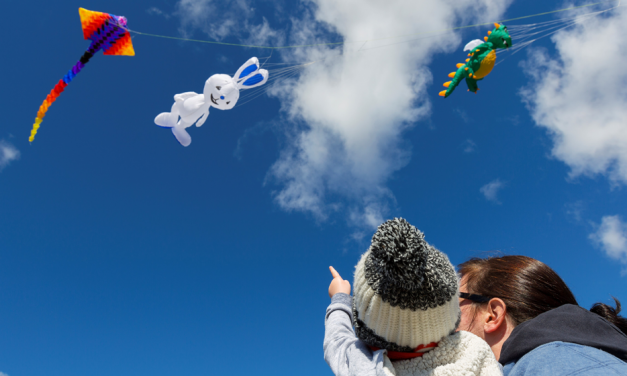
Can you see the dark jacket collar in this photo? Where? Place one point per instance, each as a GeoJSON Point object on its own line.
{"type": "Point", "coordinates": [568, 323]}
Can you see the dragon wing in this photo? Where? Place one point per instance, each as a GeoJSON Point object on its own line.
{"type": "Point", "coordinates": [473, 44]}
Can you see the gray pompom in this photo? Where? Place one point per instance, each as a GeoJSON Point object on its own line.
{"type": "Point", "coordinates": [406, 271]}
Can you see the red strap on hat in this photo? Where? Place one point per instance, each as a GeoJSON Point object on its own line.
{"type": "Point", "coordinates": [418, 352]}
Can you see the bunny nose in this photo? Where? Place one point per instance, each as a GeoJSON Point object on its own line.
{"type": "Point", "coordinates": [222, 97]}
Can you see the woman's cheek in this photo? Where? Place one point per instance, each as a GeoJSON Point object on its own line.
{"type": "Point", "coordinates": [467, 323]}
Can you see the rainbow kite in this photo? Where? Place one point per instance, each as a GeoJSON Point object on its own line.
{"type": "Point", "coordinates": [106, 32]}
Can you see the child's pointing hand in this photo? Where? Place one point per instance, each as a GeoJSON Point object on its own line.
{"type": "Point", "coordinates": [338, 284]}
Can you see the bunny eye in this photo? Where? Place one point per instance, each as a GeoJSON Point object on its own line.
{"type": "Point", "coordinates": [218, 87]}
{"type": "Point", "coordinates": [228, 102]}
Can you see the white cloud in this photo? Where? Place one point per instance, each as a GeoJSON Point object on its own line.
{"type": "Point", "coordinates": [214, 18]}
{"type": "Point", "coordinates": [347, 112]}
{"type": "Point", "coordinates": [462, 114]}
{"type": "Point", "coordinates": [343, 118]}
{"type": "Point", "coordinates": [223, 19]}
{"type": "Point", "coordinates": [8, 154]}
{"type": "Point", "coordinates": [580, 96]}
{"type": "Point", "coordinates": [491, 190]}
{"type": "Point", "coordinates": [611, 236]}
{"type": "Point", "coordinates": [469, 146]}
{"type": "Point", "coordinates": [3, 374]}
{"type": "Point", "coordinates": [574, 210]}
{"type": "Point", "coordinates": [220, 19]}
{"type": "Point", "coordinates": [156, 12]}
{"type": "Point", "coordinates": [260, 35]}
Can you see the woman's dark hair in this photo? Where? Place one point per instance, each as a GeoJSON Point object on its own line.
{"type": "Point", "coordinates": [611, 314]}
{"type": "Point", "coordinates": [527, 286]}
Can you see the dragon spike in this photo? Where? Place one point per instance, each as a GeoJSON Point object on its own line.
{"type": "Point", "coordinates": [442, 93]}
{"type": "Point", "coordinates": [446, 84]}
{"type": "Point", "coordinates": [451, 75]}
{"type": "Point", "coordinates": [470, 75]}
{"type": "Point", "coordinates": [489, 32]}
{"type": "Point", "coordinates": [467, 60]}
{"type": "Point", "coordinates": [497, 25]}
{"type": "Point", "coordinates": [466, 68]}
{"type": "Point", "coordinates": [485, 39]}
{"type": "Point", "coordinates": [460, 65]}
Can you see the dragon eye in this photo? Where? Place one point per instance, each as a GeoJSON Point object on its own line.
{"type": "Point", "coordinates": [218, 87]}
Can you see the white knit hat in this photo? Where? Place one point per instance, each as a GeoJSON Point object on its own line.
{"type": "Point", "coordinates": [406, 291]}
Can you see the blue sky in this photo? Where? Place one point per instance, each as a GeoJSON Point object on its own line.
{"type": "Point", "coordinates": [122, 252]}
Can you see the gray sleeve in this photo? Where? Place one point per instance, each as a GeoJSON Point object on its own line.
{"type": "Point", "coordinates": [346, 354]}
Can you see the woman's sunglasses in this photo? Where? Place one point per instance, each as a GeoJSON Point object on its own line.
{"type": "Point", "coordinates": [474, 297]}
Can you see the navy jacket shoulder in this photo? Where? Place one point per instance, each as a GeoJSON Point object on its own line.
{"type": "Point", "coordinates": [567, 340]}
{"type": "Point", "coordinates": [566, 359]}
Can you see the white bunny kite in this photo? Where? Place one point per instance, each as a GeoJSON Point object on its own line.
{"type": "Point", "coordinates": [221, 91]}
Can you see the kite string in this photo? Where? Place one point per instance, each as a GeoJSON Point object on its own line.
{"type": "Point", "coordinates": [266, 89]}
{"type": "Point", "coordinates": [512, 26]}
{"type": "Point", "coordinates": [368, 40]}
{"type": "Point", "coordinates": [524, 40]}
{"type": "Point", "coordinates": [568, 23]}
{"type": "Point", "coordinates": [268, 58]}
{"type": "Point", "coordinates": [274, 79]}
{"type": "Point", "coordinates": [524, 33]}
{"type": "Point", "coordinates": [281, 74]}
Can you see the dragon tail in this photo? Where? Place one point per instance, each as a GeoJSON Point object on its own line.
{"type": "Point", "coordinates": [457, 77]}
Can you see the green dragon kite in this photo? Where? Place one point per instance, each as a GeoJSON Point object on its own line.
{"type": "Point", "coordinates": [481, 60]}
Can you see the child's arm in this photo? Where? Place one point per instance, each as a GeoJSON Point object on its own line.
{"type": "Point", "coordinates": [343, 351]}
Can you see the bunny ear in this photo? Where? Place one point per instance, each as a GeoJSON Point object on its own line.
{"type": "Point", "coordinates": [248, 68]}
{"type": "Point", "coordinates": [255, 80]}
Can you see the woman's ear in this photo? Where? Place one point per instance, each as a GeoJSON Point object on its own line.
{"type": "Point", "coordinates": [495, 316]}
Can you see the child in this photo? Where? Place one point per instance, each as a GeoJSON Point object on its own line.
{"type": "Point", "coordinates": [405, 311]}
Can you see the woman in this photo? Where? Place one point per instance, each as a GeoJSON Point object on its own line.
{"type": "Point", "coordinates": [532, 321]}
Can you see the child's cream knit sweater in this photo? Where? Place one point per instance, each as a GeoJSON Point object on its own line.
{"type": "Point", "coordinates": [461, 353]}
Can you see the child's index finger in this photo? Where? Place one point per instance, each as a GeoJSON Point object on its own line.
{"type": "Point", "coordinates": [334, 273]}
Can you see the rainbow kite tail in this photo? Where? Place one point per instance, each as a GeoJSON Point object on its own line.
{"type": "Point", "coordinates": [107, 32]}
{"type": "Point", "coordinates": [58, 89]}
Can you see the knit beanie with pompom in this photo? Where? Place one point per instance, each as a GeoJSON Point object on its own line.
{"type": "Point", "coordinates": [405, 291]}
